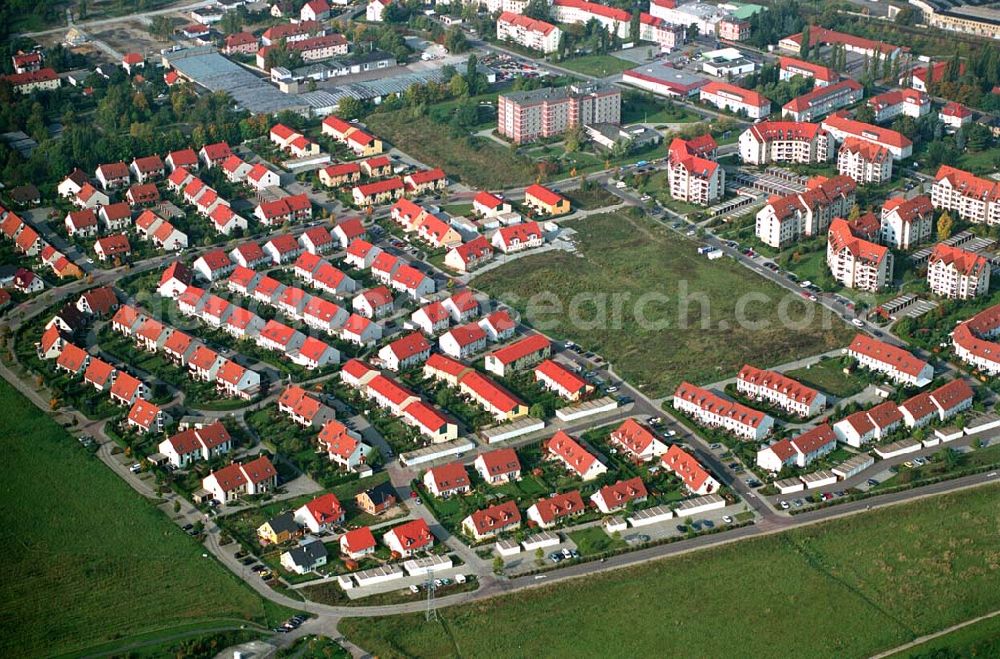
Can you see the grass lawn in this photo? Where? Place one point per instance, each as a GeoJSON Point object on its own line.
{"type": "Point", "coordinates": [478, 162]}
{"type": "Point", "coordinates": [828, 376]}
{"type": "Point", "coordinates": [981, 639]}
{"type": "Point", "coordinates": [643, 298]}
{"type": "Point", "coordinates": [87, 560]}
{"type": "Point", "coordinates": [597, 65]}
{"type": "Point", "coordinates": [593, 540]}
{"type": "Point", "coordinates": [895, 574]}
{"type": "Point", "coordinates": [594, 197]}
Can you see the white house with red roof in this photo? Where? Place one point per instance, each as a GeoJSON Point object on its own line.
{"type": "Point", "coordinates": [405, 352]}
{"type": "Point", "coordinates": [214, 154]}
{"type": "Point", "coordinates": [429, 422]}
{"type": "Point", "coordinates": [785, 141]}
{"type": "Point", "coordinates": [280, 338]}
{"type": "Point", "coordinates": [282, 249]}
{"type": "Point", "coordinates": [799, 451]}
{"type": "Point", "coordinates": [110, 247]}
{"type": "Point", "coordinates": [618, 496]}
{"type": "Point", "coordinates": [127, 389]}
{"type": "Point", "coordinates": [178, 348]}
{"type": "Point", "coordinates": [374, 302]}
{"type": "Point", "coordinates": [204, 363]}
{"type": "Point", "coordinates": [237, 381]}
{"type": "Point", "coordinates": [361, 254]}
{"type": "Point", "coordinates": [260, 178]}
{"type": "Point", "coordinates": [90, 197]}
{"type": "Point", "coordinates": [384, 266]}
{"type": "Point", "coordinates": [518, 237]}
{"type": "Point", "coordinates": [243, 323]}
{"type": "Point", "coordinates": [349, 230]}
{"type": "Point", "coordinates": [72, 359]}
{"type": "Point", "coordinates": [357, 543]}
{"type": "Point", "coordinates": [321, 514]}
{"type": "Point", "coordinates": [343, 446]}
{"type": "Point", "coordinates": [214, 265]}
{"type": "Point", "coordinates": [196, 443]}
{"type": "Point", "coordinates": [360, 330]}
{"type": "Point", "coordinates": [146, 417]}
{"type": "Point", "coordinates": [294, 208]}
{"type": "Point", "coordinates": [127, 319]}
{"type": "Point", "coordinates": [896, 363]}
{"type": "Point", "coordinates": [113, 175]}
{"type": "Point", "coordinates": [488, 204]}
{"type": "Point", "coordinates": [906, 223]}
{"type": "Point", "coordinates": [99, 374]}
{"type": "Point", "coordinates": [431, 318]}
{"type": "Point", "coordinates": [528, 32]}
{"type": "Point", "coordinates": [324, 315]}
{"type": "Point", "coordinates": [693, 175]}
{"type": "Point", "coordinates": [556, 509]}
{"type": "Point", "coordinates": [637, 441]}
{"type": "Point", "coordinates": [336, 176]}
{"type": "Point", "coordinates": [243, 280]}
{"type": "Point", "coordinates": [70, 186]}
{"type": "Point", "coordinates": [82, 223]}
{"type": "Point", "coordinates": [499, 466]}
{"type": "Point", "coordinates": [316, 240]}
{"type": "Point", "coordinates": [470, 255]}
{"type": "Point", "coordinates": [447, 480]}
{"type": "Point", "coordinates": [413, 282]}
{"type": "Point", "coordinates": [115, 217]}
{"type": "Point", "coordinates": [713, 411]}
{"type": "Point", "coordinates": [779, 390]}
{"type": "Point", "coordinates": [907, 102]}
{"type": "Point", "coordinates": [492, 521]}
{"type": "Point", "coordinates": [303, 408]}
{"type": "Point", "coordinates": [307, 264]}
{"type": "Point", "coordinates": [574, 456]}
{"type": "Point", "coordinates": [425, 181]}
{"type": "Point", "coordinates": [695, 477]}
{"type": "Point", "coordinates": [955, 115]}
{"type": "Point", "coordinates": [313, 354]}
{"type": "Point", "coordinates": [409, 538]}
{"type": "Point", "coordinates": [864, 162]}
{"type": "Point", "coordinates": [182, 158]}
{"type": "Point", "coordinates": [726, 96]}
{"type": "Point", "coordinates": [500, 403]}
{"type": "Point", "coordinates": [147, 168]}
{"type": "Point", "coordinates": [557, 378]}
{"type": "Point", "coordinates": [232, 481]}
{"type": "Point", "coordinates": [956, 273]}
{"type": "Point", "coordinates": [463, 341]}
{"type": "Point", "coordinates": [462, 305]}
{"type": "Point", "coordinates": [841, 127]}
{"type": "Point", "coordinates": [499, 326]}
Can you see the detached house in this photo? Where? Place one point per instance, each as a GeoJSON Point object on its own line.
{"type": "Point", "coordinates": [447, 480]}
{"type": "Point", "coordinates": [413, 282]}
{"type": "Point", "coordinates": [321, 514]}
{"type": "Point", "coordinates": [229, 483]}
{"type": "Point", "coordinates": [695, 477]}
{"type": "Point", "coordinates": [574, 457]}
{"type": "Point", "coordinates": [492, 521]}
{"type": "Point", "coordinates": [612, 498]}
{"type": "Point", "coordinates": [147, 168]}
{"type": "Point", "coordinates": [197, 443]}
{"type": "Point", "coordinates": [112, 175]}
{"type": "Point", "coordinates": [469, 256]}
{"type": "Point", "coordinates": [499, 466]}
{"type": "Point", "coordinates": [556, 509]}
{"type": "Point", "coordinates": [146, 417]}
{"type": "Point", "coordinates": [374, 302]}
{"type": "Point", "coordinates": [405, 352]}
{"type": "Point", "coordinates": [409, 538]}
{"type": "Point", "coordinates": [518, 237]}
{"type": "Point", "coordinates": [343, 446]}
{"type": "Point", "coordinates": [637, 441]}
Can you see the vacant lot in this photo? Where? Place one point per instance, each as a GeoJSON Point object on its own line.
{"type": "Point", "coordinates": [597, 65]}
{"type": "Point", "coordinates": [644, 298]}
{"type": "Point", "coordinates": [477, 161]}
{"type": "Point", "coordinates": [86, 560]}
{"type": "Point", "coordinates": [893, 574]}
{"type": "Point", "coordinates": [828, 376]}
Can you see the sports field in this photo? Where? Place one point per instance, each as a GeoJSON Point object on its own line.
{"type": "Point", "coordinates": [87, 561]}
{"type": "Point", "coordinates": [845, 588]}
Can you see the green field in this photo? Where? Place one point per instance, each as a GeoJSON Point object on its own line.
{"type": "Point", "coordinates": [600, 66]}
{"type": "Point", "coordinates": [857, 585]}
{"type": "Point", "coordinates": [828, 376]}
{"type": "Point", "coordinates": [88, 561]}
{"type": "Point", "coordinates": [981, 639]}
{"type": "Point", "coordinates": [660, 313]}
{"type": "Point", "coordinates": [478, 161]}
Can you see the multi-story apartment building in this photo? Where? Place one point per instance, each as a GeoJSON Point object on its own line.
{"type": "Point", "coordinates": [865, 162]}
{"type": "Point", "coordinates": [694, 176]}
{"type": "Point", "coordinates": [972, 341]}
{"type": "Point", "coordinates": [667, 34]}
{"type": "Point", "coordinates": [527, 116]}
{"type": "Point", "coordinates": [906, 222]}
{"type": "Point", "coordinates": [907, 102]}
{"type": "Point", "coordinates": [779, 390]}
{"type": "Point", "coordinates": [973, 198]}
{"type": "Point", "coordinates": [958, 274]}
{"type": "Point", "coordinates": [785, 141]}
{"type": "Point", "coordinates": [842, 127]}
{"type": "Point", "coordinates": [854, 260]}
{"type": "Point", "coordinates": [823, 100]}
{"type": "Point", "coordinates": [528, 32]}
{"type": "Point", "coordinates": [786, 219]}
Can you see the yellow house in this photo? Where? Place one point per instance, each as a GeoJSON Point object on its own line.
{"type": "Point", "coordinates": [545, 201]}
{"type": "Point", "coordinates": [364, 144]}
{"type": "Point", "coordinates": [335, 176]}
{"type": "Point", "coordinates": [279, 529]}
{"type": "Point", "coordinates": [493, 398]}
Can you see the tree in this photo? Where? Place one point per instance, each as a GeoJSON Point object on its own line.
{"type": "Point", "coordinates": [498, 565]}
{"type": "Point", "coordinates": [454, 40]}
{"type": "Point", "coordinates": [855, 213]}
{"type": "Point", "coordinates": [537, 9]}
{"type": "Point", "coordinates": [177, 505]}
{"type": "Point", "coordinates": [804, 48]}
{"type": "Point", "coordinates": [536, 411]}
{"type": "Point", "coordinates": [572, 139]}
{"type": "Point", "coordinates": [350, 108]}
{"type": "Point", "coordinates": [944, 226]}
{"type": "Point", "coordinates": [539, 557]}
{"type": "Point", "coordinates": [161, 26]}
{"type": "Point", "coordinates": [633, 27]}
{"type": "Point", "coordinates": [458, 86]}
{"type": "Point", "coordinates": [472, 75]}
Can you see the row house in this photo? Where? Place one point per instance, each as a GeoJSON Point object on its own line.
{"type": "Point", "coordinates": [899, 102]}
{"type": "Point", "coordinates": [426, 181]}
{"type": "Point", "coordinates": [869, 425]}
{"type": "Point", "coordinates": [431, 318]}
{"type": "Point", "coordinates": [636, 441]}
{"type": "Point", "coordinates": [897, 364]}
{"type": "Point", "coordinates": [236, 170]}
{"type": "Point", "coordinates": [250, 255]}
{"type": "Point", "coordinates": [343, 446]}
{"type": "Point", "coordinates": [316, 240]}
{"type": "Point", "coordinates": [856, 262]}
{"type": "Point", "coordinates": [841, 127]}
{"type": "Point", "coordinates": [780, 391]}
{"type": "Point", "coordinates": [360, 330]}
{"type": "Point", "coordinates": [957, 274]}
{"type": "Point", "coordinates": [377, 167]}
{"type": "Point", "coordinates": [941, 404]}
{"type": "Point", "coordinates": [785, 220]}
{"type": "Point", "coordinates": [414, 283]}
{"type": "Point", "coordinates": [823, 100]}
{"type": "Point", "coordinates": [712, 411]}
{"type": "Point", "coordinates": [519, 355]}
{"type": "Point", "coordinates": [545, 201]}
{"type": "Point", "coordinates": [303, 408]}
{"type": "Point", "coordinates": [556, 378]}
{"type": "Point", "coordinates": [697, 480]}
{"type": "Point", "coordinates": [800, 451]}
{"type": "Point", "coordinates": [337, 176]}
{"type": "Point", "coordinates": [192, 444]}
{"type": "Point", "coordinates": [377, 192]}
{"type": "Point", "coordinates": [294, 208]}
{"type": "Point", "coordinates": [235, 480]}
{"type": "Point", "coordinates": [497, 401]}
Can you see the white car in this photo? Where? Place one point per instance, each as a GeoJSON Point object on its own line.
{"type": "Point", "coordinates": [857, 322]}
{"type": "Point", "coordinates": [136, 468]}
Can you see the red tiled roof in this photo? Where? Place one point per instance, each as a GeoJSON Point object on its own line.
{"type": "Point", "coordinates": [448, 477]}
{"type": "Point", "coordinates": [522, 348]}
{"type": "Point", "coordinates": [501, 462]}
{"type": "Point", "coordinates": [686, 467]}
{"type": "Point", "coordinates": [746, 96]}
{"type": "Point", "coordinates": [543, 194]}
{"type": "Point", "coordinates": [572, 453]}
{"type": "Point", "coordinates": [526, 23]}
{"type": "Point", "coordinates": [561, 376]}
{"type": "Point", "coordinates": [496, 518]}
{"type": "Point", "coordinates": [559, 505]}
{"type": "Point", "coordinates": [895, 357]}
{"type": "Point", "coordinates": [968, 264]}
